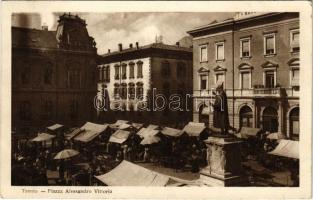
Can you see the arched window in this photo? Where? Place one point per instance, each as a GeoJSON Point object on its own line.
{"type": "Point", "coordinates": [131, 70]}
{"type": "Point", "coordinates": [47, 75]}
{"type": "Point", "coordinates": [117, 72]}
{"type": "Point", "coordinates": [131, 90]}
{"type": "Point", "coordinates": [270, 120]}
{"type": "Point", "coordinates": [124, 68]}
{"type": "Point", "coordinates": [74, 109]}
{"type": "Point", "coordinates": [204, 112]}
{"type": "Point", "coordinates": [139, 90]}
{"type": "Point", "coordinates": [139, 69]}
{"type": "Point", "coordinates": [246, 116]}
{"type": "Point", "coordinates": [25, 110]}
{"type": "Point", "coordinates": [165, 69]}
{"type": "Point", "coordinates": [294, 123]}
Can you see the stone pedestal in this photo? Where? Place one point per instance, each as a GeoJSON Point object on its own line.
{"type": "Point", "coordinates": [224, 163]}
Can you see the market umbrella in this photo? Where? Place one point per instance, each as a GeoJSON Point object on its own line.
{"type": "Point", "coordinates": [275, 136]}
{"type": "Point", "coordinates": [66, 153]}
{"type": "Point", "coordinates": [43, 137]}
{"type": "Point", "coordinates": [150, 139]}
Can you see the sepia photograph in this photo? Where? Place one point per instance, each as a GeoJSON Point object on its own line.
{"type": "Point", "coordinates": [162, 99]}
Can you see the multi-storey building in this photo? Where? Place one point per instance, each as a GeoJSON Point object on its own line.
{"type": "Point", "coordinates": [53, 76]}
{"type": "Point", "coordinates": [256, 56]}
{"type": "Point", "coordinates": [134, 75]}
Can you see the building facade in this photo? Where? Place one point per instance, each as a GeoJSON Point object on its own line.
{"type": "Point", "coordinates": [53, 76]}
{"type": "Point", "coordinates": [136, 76]}
{"type": "Point", "coordinates": [256, 57]}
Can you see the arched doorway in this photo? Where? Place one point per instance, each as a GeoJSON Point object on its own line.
{"type": "Point", "coordinates": [294, 123]}
{"type": "Point", "coordinates": [270, 120]}
{"type": "Point", "coordinates": [246, 116]}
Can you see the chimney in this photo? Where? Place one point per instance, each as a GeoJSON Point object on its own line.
{"type": "Point", "coordinates": [44, 27]}
{"type": "Point", "coordinates": [177, 44]}
{"type": "Point", "coordinates": [109, 50]}
{"type": "Point", "coordinates": [137, 45]}
{"type": "Point", "coordinates": [120, 47]}
{"type": "Point", "coordinates": [131, 45]}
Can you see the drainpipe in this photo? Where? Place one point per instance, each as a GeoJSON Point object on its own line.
{"type": "Point", "coordinates": [233, 63]}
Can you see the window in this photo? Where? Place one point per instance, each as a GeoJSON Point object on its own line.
{"type": "Point", "coordinates": [269, 44]}
{"type": "Point", "coordinates": [25, 110]}
{"type": "Point", "coordinates": [124, 67]}
{"type": "Point", "coordinates": [117, 72]}
{"type": "Point", "coordinates": [74, 78]}
{"type": "Point", "coordinates": [139, 69]}
{"type": "Point", "coordinates": [165, 69]}
{"type": "Point", "coordinates": [105, 71]}
{"type": "Point", "coordinates": [47, 76]}
{"type": "Point", "coordinates": [74, 109]}
{"type": "Point", "coordinates": [139, 91]}
{"type": "Point", "coordinates": [131, 70]}
{"type": "Point", "coordinates": [295, 77]}
{"type": "Point", "coordinates": [203, 53]}
{"type": "Point", "coordinates": [124, 91]}
{"type": "Point", "coordinates": [269, 79]}
{"type": "Point", "coordinates": [181, 70]}
{"type": "Point", "coordinates": [203, 82]}
{"type": "Point", "coordinates": [294, 40]}
{"type": "Point", "coordinates": [245, 48]}
{"type": "Point", "coordinates": [116, 91]}
{"type": "Point", "coordinates": [245, 80]}
{"type": "Point", "coordinates": [47, 110]}
{"type": "Point", "coordinates": [131, 90]}
{"type": "Point", "coordinates": [219, 51]}
{"type": "Point", "coordinates": [220, 78]}
{"type": "Point", "coordinates": [245, 117]}
{"type": "Point", "coordinates": [25, 75]}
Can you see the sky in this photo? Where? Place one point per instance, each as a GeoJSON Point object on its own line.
{"type": "Point", "coordinates": [110, 29]}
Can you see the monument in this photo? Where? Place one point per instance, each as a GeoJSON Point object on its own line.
{"type": "Point", "coordinates": [223, 150]}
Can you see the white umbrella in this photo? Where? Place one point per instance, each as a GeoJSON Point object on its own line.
{"type": "Point", "coordinates": [66, 153]}
{"type": "Point", "coordinates": [43, 137]}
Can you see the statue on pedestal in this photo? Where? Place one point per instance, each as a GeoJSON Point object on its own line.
{"type": "Point", "coordinates": [220, 114]}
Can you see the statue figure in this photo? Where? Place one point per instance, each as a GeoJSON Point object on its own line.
{"type": "Point", "coordinates": [220, 110]}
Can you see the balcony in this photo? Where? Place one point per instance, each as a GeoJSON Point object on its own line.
{"type": "Point", "coordinates": [267, 92]}
{"type": "Point", "coordinates": [255, 92]}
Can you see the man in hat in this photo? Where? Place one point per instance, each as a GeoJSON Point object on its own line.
{"type": "Point", "coordinates": [220, 114]}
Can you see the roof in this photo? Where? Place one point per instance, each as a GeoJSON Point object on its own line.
{"type": "Point", "coordinates": [194, 128]}
{"type": "Point", "coordinates": [26, 37]}
{"type": "Point", "coordinates": [119, 136]}
{"type": "Point", "coordinates": [129, 174]}
{"type": "Point", "coordinates": [87, 135]}
{"type": "Point", "coordinates": [95, 127]}
{"type": "Point", "coordinates": [172, 132]}
{"type": "Point", "coordinates": [147, 51]}
{"type": "Point", "coordinates": [43, 137]}
{"type": "Point", "coordinates": [287, 148]}
{"type": "Point", "coordinates": [55, 127]}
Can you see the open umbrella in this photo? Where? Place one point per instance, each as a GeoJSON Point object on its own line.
{"type": "Point", "coordinates": [43, 137]}
{"type": "Point", "coordinates": [66, 153]}
{"type": "Point", "coordinates": [275, 136]}
{"type": "Point", "coordinates": [150, 139]}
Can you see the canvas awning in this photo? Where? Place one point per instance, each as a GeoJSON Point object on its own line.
{"type": "Point", "coordinates": [152, 126]}
{"type": "Point", "coordinates": [129, 174]}
{"type": "Point", "coordinates": [275, 136]}
{"type": "Point", "coordinates": [43, 137]}
{"type": "Point", "coordinates": [87, 135]}
{"type": "Point", "coordinates": [55, 127]}
{"type": "Point", "coordinates": [287, 148]}
{"type": "Point", "coordinates": [95, 127]}
{"type": "Point", "coordinates": [119, 136]}
{"type": "Point", "coordinates": [137, 125]}
{"type": "Point", "coordinates": [247, 132]}
{"type": "Point", "coordinates": [72, 134]}
{"type": "Point", "coordinates": [194, 128]}
{"type": "Point", "coordinates": [118, 123]}
{"type": "Point", "coordinates": [125, 126]}
{"type": "Point", "coordinates": [172, 132]}
{"type": "Point", "coordinates": [144, 132]}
